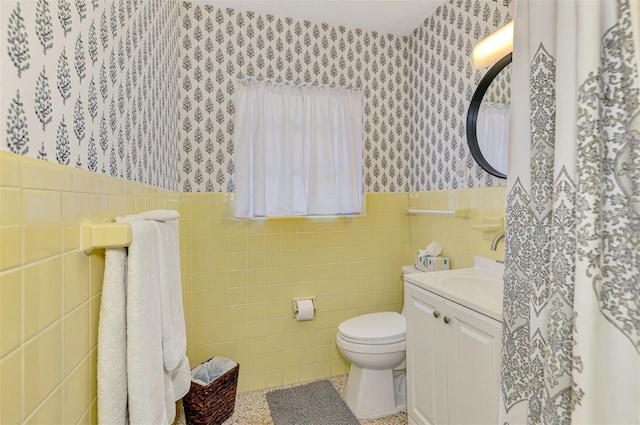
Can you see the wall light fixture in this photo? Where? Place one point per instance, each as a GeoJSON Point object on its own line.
{"type": "Point", "coordinates": [494, 47]}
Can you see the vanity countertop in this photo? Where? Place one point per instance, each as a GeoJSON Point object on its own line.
{"type": "Point", "coordinates": [478, 288]}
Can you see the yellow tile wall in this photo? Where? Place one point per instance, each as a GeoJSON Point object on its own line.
{"type": "Point", "coordinates": [240, 277]}
{"type": "Point", "coordinates": [49, 290]}
{"type": "Point", "coordinates": [460, 242]}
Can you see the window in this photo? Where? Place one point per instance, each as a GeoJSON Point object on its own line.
{"type": "Point", "coordinates": [298, 150]}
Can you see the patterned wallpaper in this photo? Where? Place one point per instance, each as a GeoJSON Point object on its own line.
{"type": "Point", "coordinates": [417, 88]}
{"type": "Point", "coordinates": [444, 80]}
{"type": "Point", "coordinates": [500, 88]}
{"type": "Point", "coordinates": [91, 84]}
{"type": "Point", "coordinates": [218, 44]}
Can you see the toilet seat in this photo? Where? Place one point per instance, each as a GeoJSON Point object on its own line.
{"type": "Point", "coordinates": [370, 349]}
{"type": "Point", "coordinates": [374, 329]}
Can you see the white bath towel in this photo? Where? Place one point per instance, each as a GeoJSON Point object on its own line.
{"type": "Point", "coordinates": [145, 369]}
{"type": "Point", "coordinates": [112, 341]}
{"type": "Point", "coordinates": [156, 343]}
{"type": "Point", "coordinates": [174, 340]}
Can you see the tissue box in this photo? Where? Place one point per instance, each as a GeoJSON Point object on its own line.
{"type": "Point", "coordinates": [437, 263]}
{"type": "Point", "coordinates": [430, 264]}
{"type": "Point", "coordinates": [420, 262]}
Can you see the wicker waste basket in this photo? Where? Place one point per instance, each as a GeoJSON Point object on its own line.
{"type": "Point", "coordinates": [212, 397]}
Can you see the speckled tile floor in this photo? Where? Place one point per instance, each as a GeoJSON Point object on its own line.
{"type": "Point", "coordinates": [252, 408]}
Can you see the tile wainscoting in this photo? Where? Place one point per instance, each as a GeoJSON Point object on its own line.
{"type": "Point", "coordinates": [239, 277]}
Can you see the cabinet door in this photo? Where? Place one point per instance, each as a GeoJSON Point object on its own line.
{"type": "Point", "coordinates": [426, 375]}
{"type": "Point", "coordinates": [473, 366]}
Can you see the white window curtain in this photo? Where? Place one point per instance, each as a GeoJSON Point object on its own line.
{"type": "Point", "coordinates": [298, 150]}
{"type": "Point", "coordinates": [492, 130]}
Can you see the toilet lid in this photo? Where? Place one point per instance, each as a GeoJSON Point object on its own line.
{"type": "Point", "coordinates": [387, 327]}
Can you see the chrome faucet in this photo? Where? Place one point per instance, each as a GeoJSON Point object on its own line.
{"type": "Point", "coordinates": [494, 242]}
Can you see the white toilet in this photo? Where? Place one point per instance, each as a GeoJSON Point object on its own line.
{"type": "Point", "coordinates": [375, 346]}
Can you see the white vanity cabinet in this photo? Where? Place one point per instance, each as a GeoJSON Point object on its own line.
{"type": "Point", "coordinates": [453, 361]}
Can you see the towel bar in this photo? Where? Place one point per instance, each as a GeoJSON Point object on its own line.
{"type": "Point", "coordinates": [103, 235]}
{"type": "Point", "coordinates": [462, 213]}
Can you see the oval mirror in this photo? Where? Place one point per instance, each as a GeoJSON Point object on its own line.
{"type": "Point", "coordinates": [488, 119]}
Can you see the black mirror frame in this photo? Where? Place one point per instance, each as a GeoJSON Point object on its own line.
{"type": "Point", "coordinates": [472, 116]}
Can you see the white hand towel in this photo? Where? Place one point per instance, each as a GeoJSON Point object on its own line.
{"type": "Point", "coordinates": [174, 338]}
{"type": "Point", "coordinates": [176, 382]}
{"type": "Point", "coordinates": [112, 341]}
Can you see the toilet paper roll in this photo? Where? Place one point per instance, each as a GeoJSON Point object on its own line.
{"type": "Point", "coordinates": [304, 310]}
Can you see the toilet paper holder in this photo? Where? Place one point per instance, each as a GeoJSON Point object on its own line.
{"type": "Point", "coordinates": [295, 306]}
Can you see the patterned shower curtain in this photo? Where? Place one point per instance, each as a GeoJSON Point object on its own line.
{"type": "Point", "coordinates": [571, 343]}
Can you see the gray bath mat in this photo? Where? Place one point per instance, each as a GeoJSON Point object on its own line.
{"type": "Point", "coordinates": [316, 403]}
